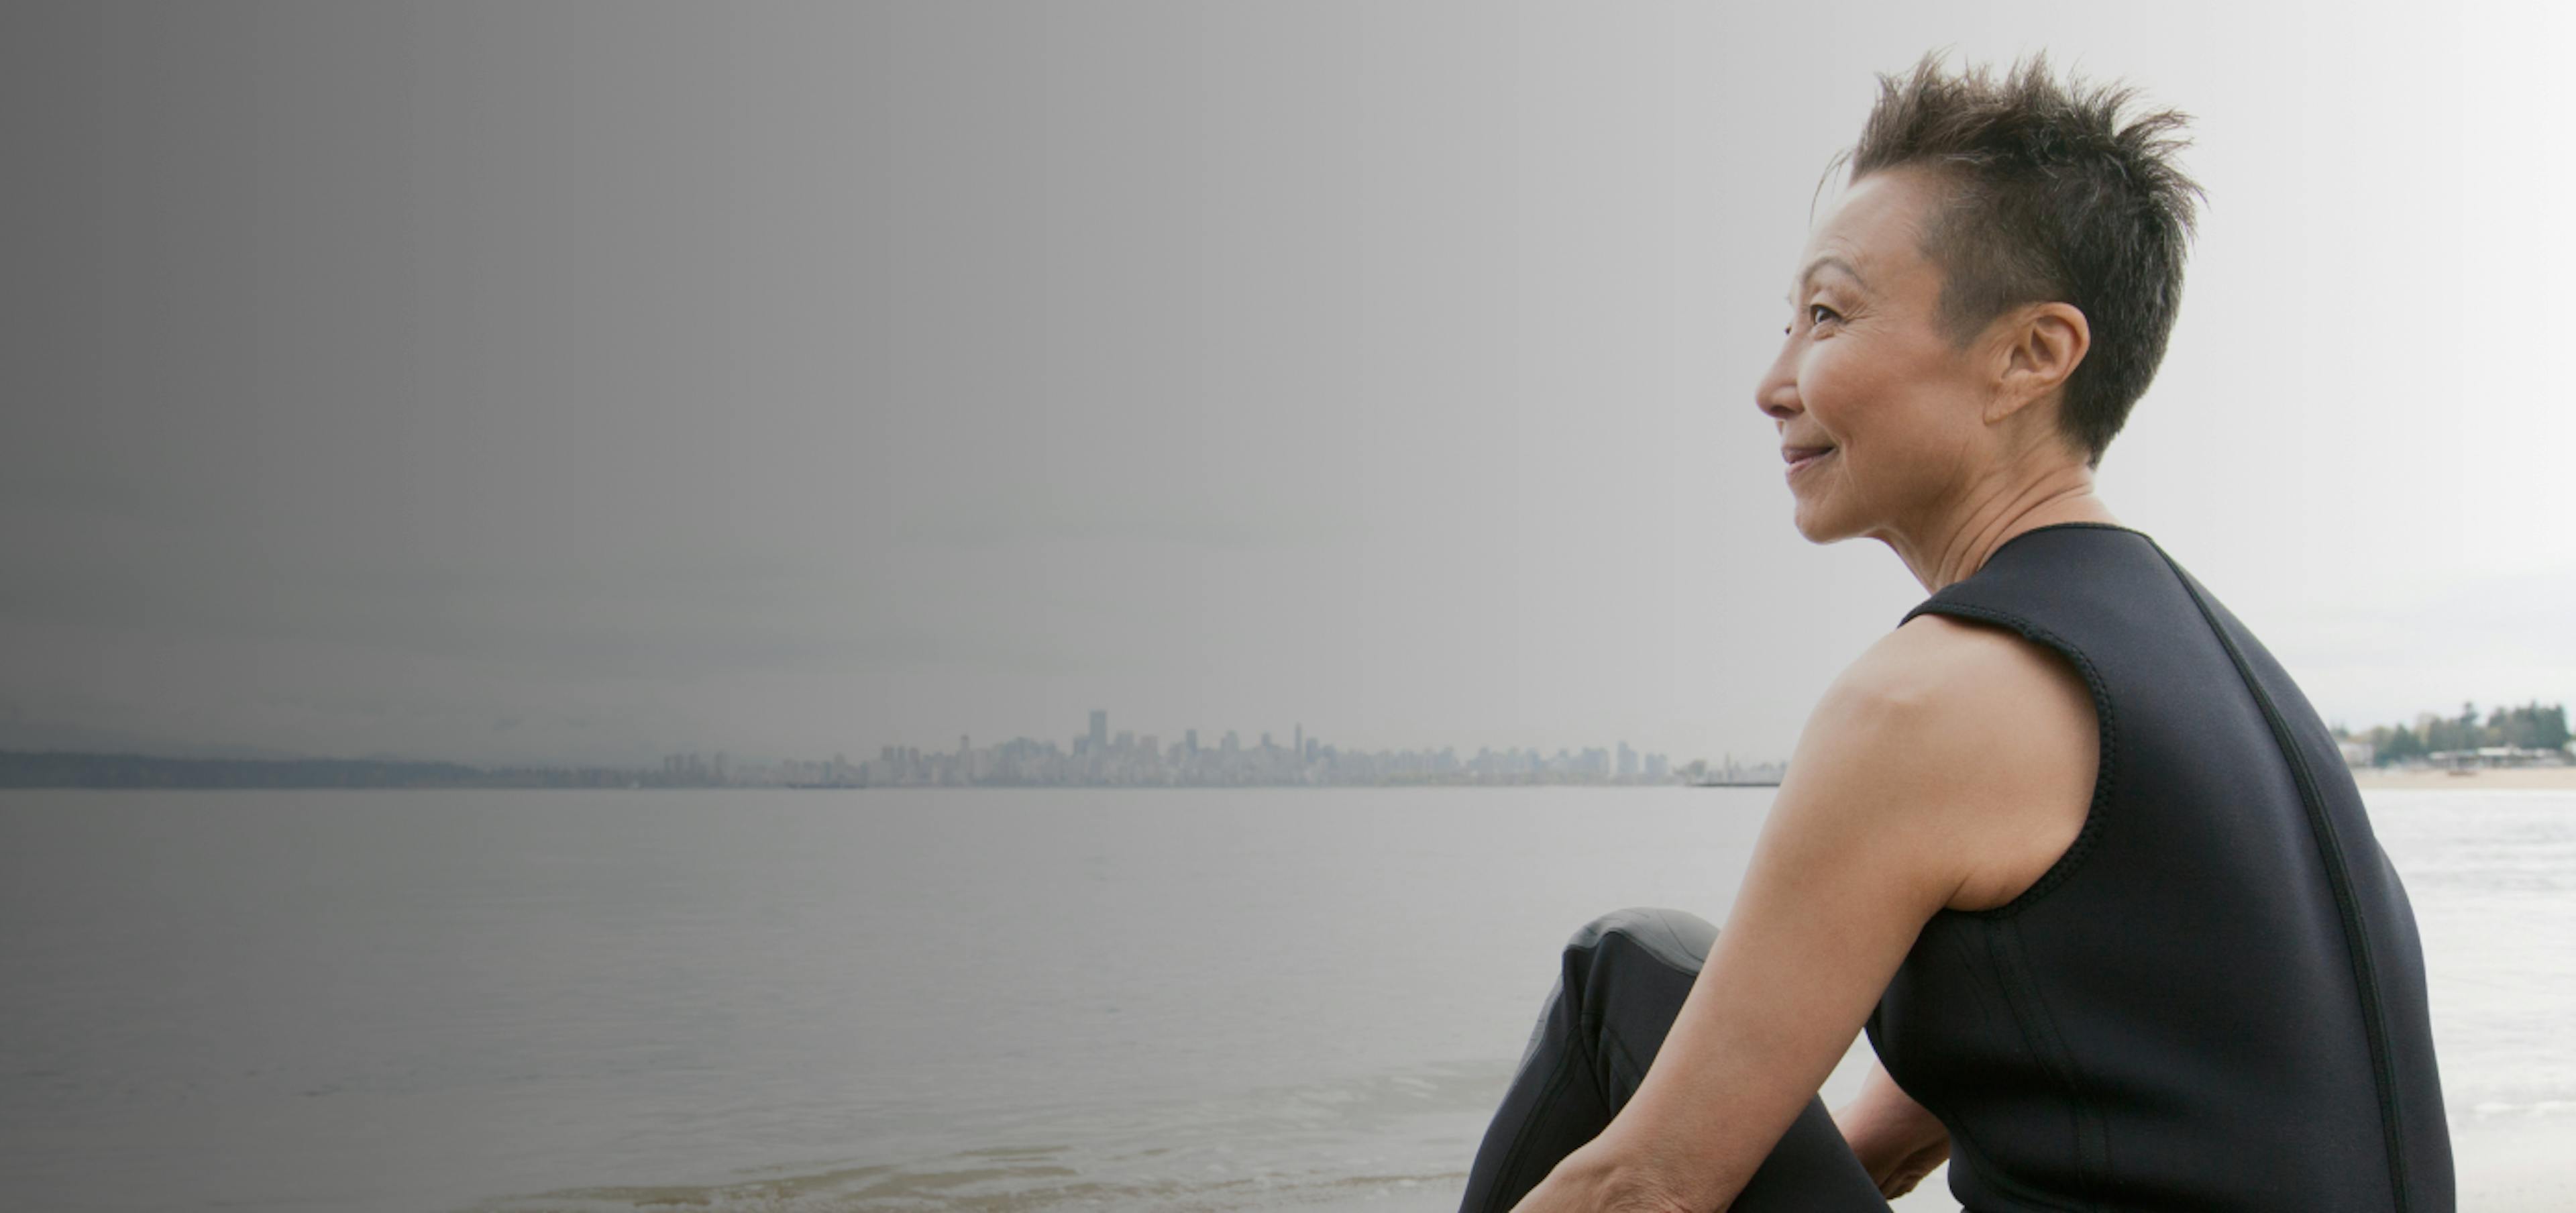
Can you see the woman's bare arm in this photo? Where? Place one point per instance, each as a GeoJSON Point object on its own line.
{"type": "Point", "coordinates": [1903, 785]}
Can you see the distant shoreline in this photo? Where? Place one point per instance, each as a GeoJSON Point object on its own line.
{"type": "Point", "coordinates": [2551, 778]}
{"type": "Point", "coordinates": [61, 770]}
{"type": "Point", "coordinates": [67, 770]}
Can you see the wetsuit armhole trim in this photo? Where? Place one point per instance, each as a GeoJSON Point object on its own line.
{"type": "Point", "coordinates": [2105, 773]}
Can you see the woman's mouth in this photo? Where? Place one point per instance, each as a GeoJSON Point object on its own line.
{"type": "Point", "coordinates": [1802, 458]}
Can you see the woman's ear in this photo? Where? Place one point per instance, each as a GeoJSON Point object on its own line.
{"type": "Point", "coordinates": [2043, 344]}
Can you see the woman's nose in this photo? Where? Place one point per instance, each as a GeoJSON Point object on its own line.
{"type": "Point", "coordinates": [1777, 394]}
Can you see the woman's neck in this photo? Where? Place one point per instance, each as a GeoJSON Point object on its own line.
{"type": "Point", "coordinates": [1945, 551]}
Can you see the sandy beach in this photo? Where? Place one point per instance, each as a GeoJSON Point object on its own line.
{"type": "Point", "coordinates": [2553, 778]}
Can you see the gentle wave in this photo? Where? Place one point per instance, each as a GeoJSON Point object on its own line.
{"type": "Point", "coordinates": [1389, 1141]}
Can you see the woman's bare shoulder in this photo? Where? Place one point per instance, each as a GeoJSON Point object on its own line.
{"type": "Point", "coordinates": [1990, 735]}
{"type": "Point", "coordinates": [1967, 678]}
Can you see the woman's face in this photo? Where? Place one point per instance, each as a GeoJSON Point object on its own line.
{"type": "Point", "coordinates": [1865, 374]}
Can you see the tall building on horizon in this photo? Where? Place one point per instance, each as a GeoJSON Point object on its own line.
{"type": "Point", "coordinates": [1099, 729]}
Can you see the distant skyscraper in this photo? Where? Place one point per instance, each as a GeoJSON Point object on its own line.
{"type": "Point", "coordinates": [1301, 737]}
{"type": "Point", "coordinates": [1099, 728]}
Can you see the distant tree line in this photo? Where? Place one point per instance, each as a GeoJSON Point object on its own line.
{"type": "Point", "coordinates": [2529, 726]}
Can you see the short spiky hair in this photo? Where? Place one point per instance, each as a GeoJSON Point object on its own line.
{"type": "Point", "coordinates": [2051, 198]}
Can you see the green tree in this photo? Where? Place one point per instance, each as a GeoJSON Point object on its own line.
{"type": "Point", "coordinates": [2549, 726]}
{"type": "Point", "coordinates": [2397, 744]}
{"type": "Point", "coordinates": [2530, 725]}
{"type": "Point", "coordinates": [2533, 725]}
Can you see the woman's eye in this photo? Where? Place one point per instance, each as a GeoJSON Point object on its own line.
{"type": "Point", "coordinates": [1818, 313]}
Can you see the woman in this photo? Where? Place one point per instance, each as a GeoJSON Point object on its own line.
{"type": "Point", "coordinates": [2067, 842]}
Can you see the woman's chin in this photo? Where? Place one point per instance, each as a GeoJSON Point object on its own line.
{"type": "Point", "coordinates": [1810, 523]}
{"type": "Point", "coordinates": [1818, 527]}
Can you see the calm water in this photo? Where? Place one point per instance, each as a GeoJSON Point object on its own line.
{"type": "Point", "coordinates": [1017, 1000]}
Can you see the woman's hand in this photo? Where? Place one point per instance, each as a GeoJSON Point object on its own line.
{"type": "Point", "coordinates": [1897, 1140]}
{"type": "Point", "coordinates": [1593, 1180]}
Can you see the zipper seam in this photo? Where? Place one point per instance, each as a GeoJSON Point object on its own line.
{"type": "Point", "coordinates": [2338, 879]}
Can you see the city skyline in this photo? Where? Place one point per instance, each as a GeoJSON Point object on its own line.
{"type": "Point", "coordinates": [890, 372]}
{"type": "Point", "coordinates": [1095, 757]}
{"type": "Point", "coordinates": [1129, 758]}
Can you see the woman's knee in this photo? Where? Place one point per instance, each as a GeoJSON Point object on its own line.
{"type": "Point", "coordinates": [1677, 937]}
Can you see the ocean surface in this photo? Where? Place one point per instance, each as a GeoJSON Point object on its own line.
{"type": "Point", "coordinates": [932, 1000]}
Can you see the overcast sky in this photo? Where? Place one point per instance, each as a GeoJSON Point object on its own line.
{"type": "Point", "coordinates": [599, 381]}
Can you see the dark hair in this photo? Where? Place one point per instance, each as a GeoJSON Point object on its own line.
{"type": "Point", "coordinates": [2050, 198]}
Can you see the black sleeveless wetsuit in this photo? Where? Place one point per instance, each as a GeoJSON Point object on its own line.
{"type": "Point", "coordinates": [2215, 999]}
{"type": "Point", "coordinates": [2213, 1002]}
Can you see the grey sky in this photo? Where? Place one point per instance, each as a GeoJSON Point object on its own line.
{"type": "Point", "coordinates": [594, 381]}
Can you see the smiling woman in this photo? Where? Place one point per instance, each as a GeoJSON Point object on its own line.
{"type": "Point", "coordinates": [2068, 843]}
{"type": "Point", "coordinates": [1874, 391]}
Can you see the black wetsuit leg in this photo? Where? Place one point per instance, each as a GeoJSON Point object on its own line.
{"type": "Point", "coordinates": [1625, 976]}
